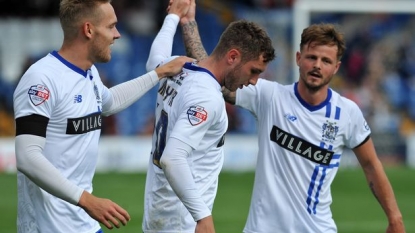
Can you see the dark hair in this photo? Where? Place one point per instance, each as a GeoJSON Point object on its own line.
{"type": "Point", "coordinates": [72, 12]}
{"type": "Point", "coordinates": [247, 37]}
{"type": "Point", "coordinates": [323, 34]}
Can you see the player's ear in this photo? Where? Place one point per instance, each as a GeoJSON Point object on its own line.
{"type": "Point", "coordinates": [87, 29]}
{"type": "Point", "coordinates": [297, 57]}
{"type": "Point", "coordinates": [233, 56]}
{"type": "Point", "coordinates": [338, 63]}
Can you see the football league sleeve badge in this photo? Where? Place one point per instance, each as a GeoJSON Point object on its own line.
{"type": "Point", "coordinates": [196, 115]}
{"type": "Point", "coordinates": [38, 94]}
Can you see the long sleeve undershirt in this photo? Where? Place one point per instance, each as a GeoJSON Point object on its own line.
{"type": "Point", "coordinates": [178, 173]}
{"type": "Point", "coordinates": [125, 94]}
{"type": "Point", "coordinates": [162, 46]}
{"type": "Point", "coordinates": [31, 162]}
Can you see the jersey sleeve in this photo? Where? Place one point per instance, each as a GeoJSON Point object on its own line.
{"type": "Point", "coordinates": [359, 130]}
{"type": "Point", "coordinates": [197, 113]}
{"type": "Point", "coordinates": [31, 162]}
{"type": "Point", "coordinates": [252, 96]}
{"type": "Point", "coordinates": [35, 94]}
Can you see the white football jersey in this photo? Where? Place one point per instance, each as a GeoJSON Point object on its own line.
{"type": "Point", "coordinates": [300, 148]}
{"type": "Point", "coordinates": [72, 99]}
{"type": "Point", "coordinates": [190, 107]}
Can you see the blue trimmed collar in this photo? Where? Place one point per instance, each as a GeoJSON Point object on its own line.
{"type": "Point", "coordinates": [308, 106]}
{"type": "Point", "coordinates": [194, 67]}
{"type": "Point", "coordinates": [72, 66]}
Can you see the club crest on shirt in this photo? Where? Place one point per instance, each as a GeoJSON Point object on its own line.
{"type": "Point", "coordinates": [366, 126]}
{"type": "Point", "coordinates": [329, 131]}
{"type": "Point", "coordinates": [96, 92]}
{"type": "Point", "coordinates": [98, 97]}
{"type": "Point", "coordinates": [196, 115]}
{"type": "Point", "coordinates": [38, 94]}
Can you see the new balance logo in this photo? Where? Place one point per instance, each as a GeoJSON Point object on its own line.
{"type": "Point", "coordinates": [290, 117]}
{"type": "Point", "coordinates": [77, 99]}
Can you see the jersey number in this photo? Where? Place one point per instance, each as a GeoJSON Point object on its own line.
{"type": "Point", "coordinates": [161, 129]}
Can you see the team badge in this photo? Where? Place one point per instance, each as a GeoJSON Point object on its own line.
{"type": "Point", "coordinates": [196, 115]}
{"type": "Point", "coordinates": [38, 94]}
{"type": "Point", "coordinates": [330, 131]}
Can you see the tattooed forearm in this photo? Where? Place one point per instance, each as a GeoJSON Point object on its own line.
{"type": "Point", "coordinates": [192, 41]}
{"type": "Point", "coordinates": [371, 185]}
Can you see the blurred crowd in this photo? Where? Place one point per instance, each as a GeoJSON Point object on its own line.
{"type": "Point", "coordinates": [377, 71]}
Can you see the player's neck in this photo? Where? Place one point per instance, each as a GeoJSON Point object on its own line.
{"type": "Point", "coordinates": [213, 66]}
{"type": "Point", "coordinates": [312, 96]}
{"type": "Point", "coordinates": [75, 54]}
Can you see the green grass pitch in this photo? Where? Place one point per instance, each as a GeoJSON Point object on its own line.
{"type": "Point", "coordinates": [355, 210]}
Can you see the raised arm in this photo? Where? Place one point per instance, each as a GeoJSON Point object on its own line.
{"type": "Point", "coordinates": [160, 63]}
{"type": "Point", "coordinates": [162, 45]}
{"type": "Point", "coordinates": [191, 36]}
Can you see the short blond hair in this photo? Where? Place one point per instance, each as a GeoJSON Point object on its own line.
{"type": "Point", "coordinates": [73, 12]}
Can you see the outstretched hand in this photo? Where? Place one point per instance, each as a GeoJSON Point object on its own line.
{"type": "Point", "coordinates": [173, 67]}
{"type": "Point", "coordinates": [191, 13]}
{"type": "Point", "coordinates": [178, 7]}
{"type": "Point", "coordinates": [104, 210]}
